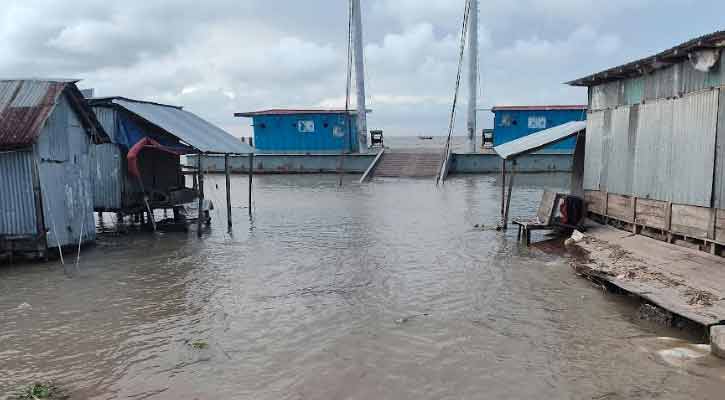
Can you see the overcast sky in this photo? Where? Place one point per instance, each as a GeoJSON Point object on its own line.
{"type": "Point", "coordinates": [217, 57]}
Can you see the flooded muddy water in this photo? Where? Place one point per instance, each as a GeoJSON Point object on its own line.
{"type": "Point", "coordinates": [376, 291]}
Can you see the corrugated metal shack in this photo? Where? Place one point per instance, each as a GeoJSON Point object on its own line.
{"type": "Point", "coordinates": [304, 131]}
{"type": "Point", "coordinates": [47, 138]}
{"type": "Point", "coordinates": [514, 122]}
{"type": "Point", "coordinates": [654, 143]}
{"type": "Point", "coordinates": [143, 158]}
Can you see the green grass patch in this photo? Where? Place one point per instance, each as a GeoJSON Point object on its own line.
{"type": "Point", "coordinates": [41, 391]}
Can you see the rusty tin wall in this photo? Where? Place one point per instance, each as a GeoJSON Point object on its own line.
{"type": "Point", "coordinates": [65, 179]}
{"type": "Point", "coordinates": [17, 201]}
{"type": "Point", "coordinates": [107, 177]}
{"type": "Point", "coordinates": [663, 149]}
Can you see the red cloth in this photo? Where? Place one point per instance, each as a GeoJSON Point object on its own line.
{"type": "Point", "coordinates": [146, 142]}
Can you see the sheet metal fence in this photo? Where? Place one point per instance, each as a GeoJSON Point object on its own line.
{"type": "Point", "coordinates": [663, 150]}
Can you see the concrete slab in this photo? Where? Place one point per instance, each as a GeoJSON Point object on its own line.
{"type": "Point", "coordinates": [717, 340]}
{"type": "Point", "coordinates": [686, 282]}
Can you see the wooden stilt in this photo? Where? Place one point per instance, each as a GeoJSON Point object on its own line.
{"type": "Point", "coordinates": [508, 196]}
{"type": "Point", "coordinates": [503, 190]}
{"type": "Point", "coordinates": [200, 213]}
{"type": "Point", "coordinates": [251, 175]}
{"type": "Point", "coordinates": [229, 191]}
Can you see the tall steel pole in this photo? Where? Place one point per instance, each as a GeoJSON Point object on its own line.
{"type": "Point", "coordinates": [472, 73]}
{"type": "Point", "coordinates": [362, 123]}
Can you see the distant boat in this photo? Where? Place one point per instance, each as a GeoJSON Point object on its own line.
{"type": "Point", "coordinates": [425, 137]}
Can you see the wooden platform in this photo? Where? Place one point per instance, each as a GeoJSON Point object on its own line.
{"type": "Point", "coordinates": [684, 281]}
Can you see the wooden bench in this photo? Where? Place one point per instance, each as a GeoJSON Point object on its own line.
{"type": "Point", "coordinates": [542, 221]}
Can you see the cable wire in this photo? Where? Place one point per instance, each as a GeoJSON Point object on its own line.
{"type": "Point", "coordinates": [452, 122]}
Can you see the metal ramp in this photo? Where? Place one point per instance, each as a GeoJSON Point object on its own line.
{"type": "Point", "coordinates": [404, 164]}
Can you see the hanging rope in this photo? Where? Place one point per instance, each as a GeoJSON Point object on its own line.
{"type": "Point", "coordinates": [452, 122]}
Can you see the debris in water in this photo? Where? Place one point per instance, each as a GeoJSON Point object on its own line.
{"type": "Point", "coordinates": [655, 314]}
{"type": "Point", "coordinates": [700, 297]}
{"type": "Point", "coordinates": [39, 390]}
{"type": "Point", "coordinates": [198, 344]}
{"type": "Point", "coordinates": [409, 318]}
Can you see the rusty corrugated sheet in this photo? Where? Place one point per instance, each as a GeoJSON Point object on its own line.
{"type": "Point", "coordinates": [67, 184]}
{"type": "Point", "coordinates": [675, 155]}
{"type": "Point", "coordinates": [17, 200]}
{"type": "Point", "coordinates": [719, 185]}
{"type": "Point", "coordinates": [607, 95]}
{"type": "Point", "coordinates": [675, 54]}
{"type": "Point", "coordinates": [620, 152]}
{"type": "Point", "coordinates": [107, 118]}
{"type": "Point", "coordinates": [107, 178]}
{"type": "Point", "coordinates": [593, 150]}
{"type": "Point", "coordinates": [662, 83]}
{"type": "Point", "coordinates": [24, 107]}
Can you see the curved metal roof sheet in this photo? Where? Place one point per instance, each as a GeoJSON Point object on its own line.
{"type": "Point", "coordinates": [190, 128]}
{"type": "Point", "coordinates": [536, 141]}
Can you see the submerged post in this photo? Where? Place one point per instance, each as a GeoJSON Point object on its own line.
{"type": "Point", "coordinates": [200, 211]}
{"type": "Point", "coordinates": [508, 197]}
{"type": "Point", "coordinates": [251, 174]}
{"type": "Point", "coordinates": [229, 194]}
{"type": "Point", "coordinates": [503, 189]}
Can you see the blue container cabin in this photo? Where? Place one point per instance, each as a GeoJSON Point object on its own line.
{"type": "Point", "coordinates": [286, 131]}
{"type": "Point", "coordinates": [514, 122]}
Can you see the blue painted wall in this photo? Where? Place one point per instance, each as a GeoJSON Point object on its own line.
{"type": "Point", "coordinates": [513, 124]}
{"type": "Point", "coordinates": [305, 133]}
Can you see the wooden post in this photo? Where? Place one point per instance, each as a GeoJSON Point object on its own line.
{"type": "Point", "coordinates": [229, 191]}
{"type": "Point", "coordinates": [634, 214]}
{"type": "Point", "coordinates": [503, 190]}
{"type": "Point", "coordinates": [251, 175]}
{"type": "Point", "coordinates": [668, 222]}
{"type": "Point", "coordinates": [508, 197]}
{"type": "Point", "coordinates": [200, 192]}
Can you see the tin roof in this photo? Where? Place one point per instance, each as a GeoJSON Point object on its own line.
{"type": "Point", "coordinates": [25, 105]}
{"type": "Point", "coordinates": [188, 127]}
{"type": "Point", "coordinates": [660, 60]}
{"type": "Point", "coordinates": [575, 107]}
{"type": "Point", "coordinates": [286, 111]}
{"type": "Point", "coordinates": [536, 141]}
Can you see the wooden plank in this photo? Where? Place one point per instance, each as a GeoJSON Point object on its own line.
{"type": "Point", "coordinates": [594, 200]}
{"type": "Point", "coordinates": [651, 213]}
{"type": "Point", "coordinates": [691, 221]}
{"type": "Point", "coordinates": [720, 226]}
{"type": "Point", "coordinates": [546, 207]}
{"type": "Point", "coordinates": [680, 273]}
{"type": "Point", "coordinates": [620, 207]}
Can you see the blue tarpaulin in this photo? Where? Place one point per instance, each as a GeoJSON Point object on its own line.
{"type": "Point", "coordinates": [131, 133]}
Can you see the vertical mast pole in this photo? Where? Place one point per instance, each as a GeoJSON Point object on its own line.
{"type": "Point", "coordinates": [472, 74]}
{"type": "Point", "coordinates": [362, 124]}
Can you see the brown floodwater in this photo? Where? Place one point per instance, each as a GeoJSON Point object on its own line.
{"type": "Point", "coordinates": [384, 290]}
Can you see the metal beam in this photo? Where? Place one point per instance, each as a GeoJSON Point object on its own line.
{"type": "Point", "coordinates": [362, 124]}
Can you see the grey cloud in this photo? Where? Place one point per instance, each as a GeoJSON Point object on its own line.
{"type": "Point", "coordinates": [220, 56]}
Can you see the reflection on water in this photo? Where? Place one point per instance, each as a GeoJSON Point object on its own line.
{"type": "Point", "coordinates": [381, 290]}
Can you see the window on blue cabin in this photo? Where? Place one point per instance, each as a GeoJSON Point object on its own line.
{"type": "Point", "coordinates": [306, 126]}
{"type": "Point", "coordinates": [537, 122]}
{"type": "Point", "coordinates": [507, 120]}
